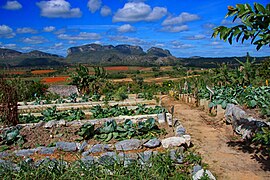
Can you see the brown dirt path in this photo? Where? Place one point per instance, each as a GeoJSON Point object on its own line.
{"type": "Point", "coordinates": [211, 137]}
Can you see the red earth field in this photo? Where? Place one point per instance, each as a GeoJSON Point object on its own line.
{"type": "Point", "coordinates": [49, 80]}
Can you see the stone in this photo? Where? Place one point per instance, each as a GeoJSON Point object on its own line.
{"type": "Point", "coordinates": [25, 152]}
{"type": "Point", "coordinates": [188, 139]}
{"type": "Point", "coordinates": [180, 131]}
{"type": "Point", "coordinates": [145, 156]}
{"type": "Point", "coordinates": [50, 124]}
{"type": "Point", "coordinates": [176, 156]}
{"type": "Point", "coordinates": [152, 143]}
{"type": "Point", "coordinates": [97, 148]}
{"type": "Point", "coordinates": [123, 156]}
{"type": "Point", "coordinates": [4, 154]}
{"type": "Point", "coordinates": [108, 158]}
{"type": "Point", "coordinates": [173, 142]}
{"type": "Point", "coordinates": [88, 160]}
{"type": "Point", "coordinates": [129, 144]}
{"type": "Point", "coordinates": [161, 118]}
{"type": "Point", "coordinates": [169, 119]}
{"type": "Point", "coordinates": [6, 164]}
{"type": "Point", "coordinates": [39, 124]}
{"type": "Point", "coordinates": [61, 122]}
{"type": "Point", "coordinates": [201, 173]}
{"type": "Point", "coordinates": [47, 150]}
{"type": "Point", "coordinates": [81, 146]}
{"type": "Point", "coordinates": [66, 146]}
{"type": "Point", "coordinates": [196, 169]}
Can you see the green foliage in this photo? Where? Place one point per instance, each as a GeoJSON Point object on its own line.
{"type": "Point", "coordinates": [158, 167]}
{"type": "Point", "coordinates": [51, 113]}
{"type": "Point", "coordinates": [73, 97]}
{"type": "Point", "coordinates": [146, 95]}
{"type": "Point", "coordinates": [111, 130]}
{"type": "Point", "coordinates": [86, 82]}
{"type": "Point", "coordinates": [247, 96]}
{"type": "Point", "coordinates": [114, 111]}
{"type": "Point", "coordinates": [11, 136]}
{"type": "Point", "coordinates": [87, 131]}
{"type": "Point", "coordinates": [121, 94]}
{"type": "Point", "coordinates": [262, 137]}
{"type": "Point", "coordinates": [254, 26]}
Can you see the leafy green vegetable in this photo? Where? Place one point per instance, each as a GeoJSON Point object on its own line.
{"type": "Point", "coordinates": [11, 136]}
{"type": "Point", "coordinates": [111, 130]}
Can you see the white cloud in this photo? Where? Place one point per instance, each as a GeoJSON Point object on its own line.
{"type": "Point", "coordinates": [181, 19]}
{"type": "Point", "coordinates": [180, 45]}
{"type": "Point", "coordinates": [12, 5]}
{"type": "Point", "coordinates": [105, 11]}
{"type": "Point", "coordinates": [6, 32]}
{"type": "Point", "coordinates": [94, 5]}
{"type": "Point", "coordinates": [126, 28]}
{"type": "Point", "coordinates": [10, 45]}
{"type": "Point", "coordinates": [197, 37]}
{"type": "Point", "coordinates": [26, 30]}
{"type": "Point", "coordinates": [139, 11]}
{"type": "Point", "coordinates": [80, 36]}
{"type": "Point", "coordinates": [127, 39]}
{"type": "Point", "coordinates": [48, 28]}
{"type": "Point", "coordinates": [183, 46]}
{"type": "Point", "coordinates": [58, 9]}
{"type": "Point", "coordinates": [34, 40]}
{"type": "Point", "coordinates": [175, 29]}
{"type": "Point", "coordinates": [58, 45]}
{"type": "Point", "coordinates": [209, 25]}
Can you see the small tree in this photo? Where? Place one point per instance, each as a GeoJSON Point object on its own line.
{"type": "Point", "coordinates": [86, 82]}
{"type": "Point", "coordinates": [8, 104]}
{"type": "Point", "coordinates": [254, 27]}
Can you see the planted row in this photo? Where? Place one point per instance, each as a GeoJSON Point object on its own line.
{"type": "Point", "coordinates": [51, 113]}
{"type": "Point", "coordinates": [114, 111]}
{"type": "Point", "coordinates": [127, 130]}
{"type": "Point", "coordinates": [247, 96]}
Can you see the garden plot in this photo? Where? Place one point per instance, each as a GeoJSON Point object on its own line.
{"type": "Point", "coordinates": [84, 105]}
{"type": "Point", "coordinates": [103, 141]}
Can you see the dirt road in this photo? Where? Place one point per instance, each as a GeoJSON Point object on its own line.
{"type": "Point", "coordinates": [220, 148]}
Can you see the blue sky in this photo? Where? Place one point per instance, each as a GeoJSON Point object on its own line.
{"type": "Point", "coordinates": [183, 27]}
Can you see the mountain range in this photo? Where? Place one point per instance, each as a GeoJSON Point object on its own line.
{"type": "Point", "coordinates": [109, 55]}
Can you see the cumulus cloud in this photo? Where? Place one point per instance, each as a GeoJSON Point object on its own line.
{"type": "Point", "coordinates": [209, 25]}
{"type": "Point", "coordinates": [9, 46]}
{"type": "Point", "coordinates": [6, 32]}
{"type": "Point", "coordinates": [58, 9]}
{"type": "Point", "coordinates": [181, 19]}
{"type": "Point", "coordinates": [94, 5]}
{"type": "Point", "coordinates": [80, 36]}
{"type": "Point", "coordinates": [139, 11]}
{"type": "Point", "coordinates": [12, 5]}
{"type": "Point", "coordinates": [126, 39]}
{"type": "Point", "coordinates": [26, 30]}
{"type": "Point", "coordinates": [196, 37]}
{"type": "Point", "coordinates": [126, 28]}
{"type": "Point", "coordinates": [105, 11]}
{"type": "Point", "coordinates": [34, 40]}
{"type": "Point", "coordinates": [180, 45]}
{"type": "Point", "coordinates": [175, 29]}
{"type": "Point", "coordinates": [49, 29]}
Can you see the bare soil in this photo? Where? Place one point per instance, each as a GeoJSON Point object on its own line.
{"type": "Point", "coordinates": [226, 154]}
{"type": "Point", "coordinates": [40, 136]}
